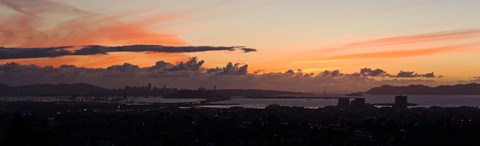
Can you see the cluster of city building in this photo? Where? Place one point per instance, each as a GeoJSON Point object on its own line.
{"type": "Point", "coordinates": [401, 102]}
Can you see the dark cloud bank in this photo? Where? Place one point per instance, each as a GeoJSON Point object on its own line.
{"type": "Point", "coordinates": [18, 53]}
{"type": "Point", "coordinates": [401, 74]}
{"type": "Point", "coordinates": [192, 74]}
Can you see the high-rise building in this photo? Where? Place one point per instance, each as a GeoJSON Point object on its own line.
{"type": "Point", "coordinates": [358, 102]}
{"type": "Point", "coordinates": [400, 102]}
{"type": "Point", "coordinates": [343, 102]}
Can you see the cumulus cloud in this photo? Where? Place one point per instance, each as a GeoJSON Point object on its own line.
{"type": "Point", "coordinates": [368, 72]}
{"type": "Point", "coordinates": [123, 68]}
{"type": "Point", "coordinates": [411, 74]}
{"type": "Point", "coordinates": [192, 74]}
{"type": "Point", "coordinates": [334, 73]}
{"type": "Point", "coordinates": [160, 65]}
{"type": "Point", "coordinates": [235, 69]}
{"type": "Point", "coordinates": [16, 53]}
{"type": "Point", "coordinates": [191, 65]}
{"type": "Point", "coordinates": [373, 72]}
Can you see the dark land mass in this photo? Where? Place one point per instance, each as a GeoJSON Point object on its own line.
{"type": "Point", "coordinates": [86, 124]}
{"type": "Point", "coordinates": [81, 89]}
{"type": "Point", "coordinates": [460, 89]}
{"type": "Point", "coordinates": [52, 90]}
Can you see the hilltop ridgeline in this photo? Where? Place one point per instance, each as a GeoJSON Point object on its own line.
{"type": "Point", "coordinates": [460, 89]}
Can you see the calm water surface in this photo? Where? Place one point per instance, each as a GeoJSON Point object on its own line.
{"type": "Point", "coordinates": [420, 100]}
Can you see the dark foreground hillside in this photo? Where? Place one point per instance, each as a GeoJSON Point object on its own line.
{"type": "Point", "coordinates": [25, 123]}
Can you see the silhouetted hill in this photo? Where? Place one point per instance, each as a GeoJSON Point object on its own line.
{"type": "Point", "coordinates": [52, 90]}
{"type": "Point", "coordinates": [3, 88]}
{"type": "Point", "coordinates": [460, 89]}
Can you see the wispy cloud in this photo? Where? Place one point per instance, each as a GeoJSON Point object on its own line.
{"type": "Point", "coordinates": [208, 11]}
{"type": "Point", "coordinates": [401, 53]}
{"type": "Point", "coordinates": [409, 39]}
{"type": "Point", "coordinates": [35, 8]}
{"type": "Point", "coordinates": [78, 27]}
{"type": "Point", "coordinates": [33, 27]}
{"type": "Point", "coordinates": [182, 14]}
{"type": "Point", "coordinates": [84, 27]}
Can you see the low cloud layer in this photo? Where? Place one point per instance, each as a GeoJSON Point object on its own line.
{"type": "Point", "coordinates": [18, 53]}
{"type": "Point", "coordinates": [373, 72]}
{"type": "Point", "coordinates": [411, 74]}
{"type": "Point", "coordinates": [192, 74]}
{"type": "Point", "coordinates": [402, 74]}
{"type": "Point", "coordinates": [476, 79]}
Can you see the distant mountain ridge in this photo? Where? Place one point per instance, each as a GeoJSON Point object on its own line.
{"type": "Point", "coordinates": [82, 89]}
{"type": "Point", "coordinates": [51, 90]}
{"type": "Point", "coordinates": [460, 89]}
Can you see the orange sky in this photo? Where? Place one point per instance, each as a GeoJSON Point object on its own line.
{"type": "Point", "coordinates": [309, 35]}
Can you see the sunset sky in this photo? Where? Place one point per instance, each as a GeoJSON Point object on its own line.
{"type": "Point", "coordinates": [423, 36]}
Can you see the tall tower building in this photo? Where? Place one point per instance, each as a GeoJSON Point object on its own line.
{"type": "Point", "coordinates": [343, 102]}
{"type": "Point", "coordinates": [401, 102]}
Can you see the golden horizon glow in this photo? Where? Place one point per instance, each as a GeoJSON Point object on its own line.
{"type": "Point", "coordinates": [308, 35]}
